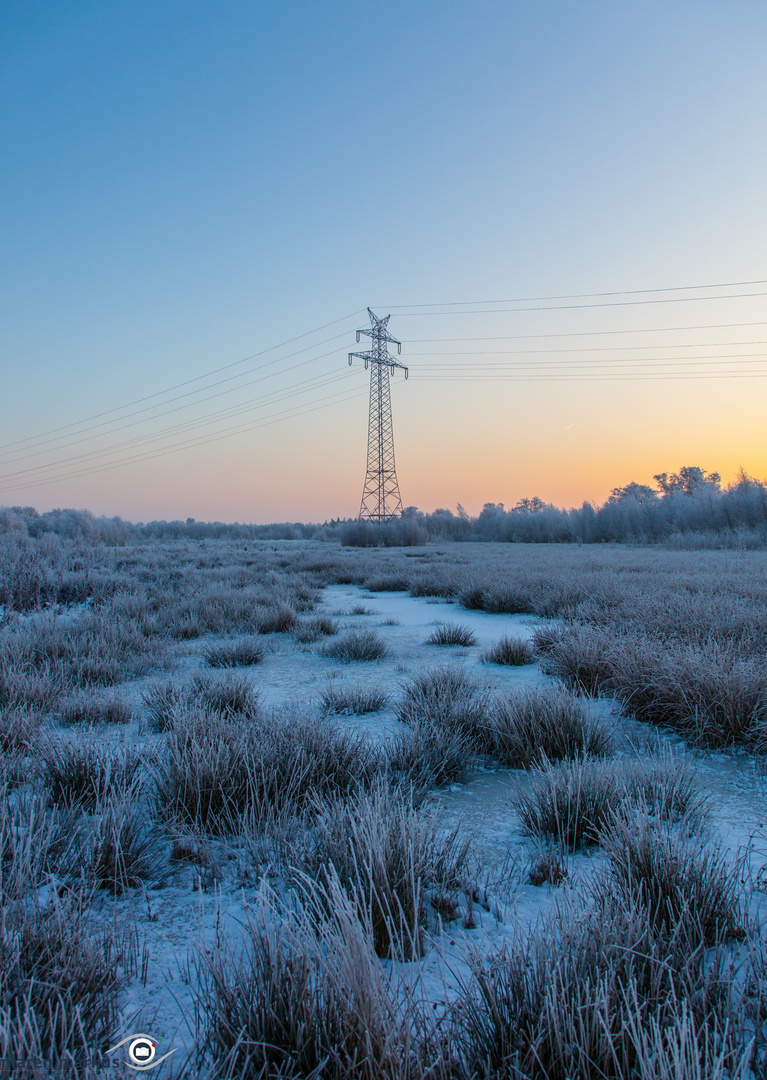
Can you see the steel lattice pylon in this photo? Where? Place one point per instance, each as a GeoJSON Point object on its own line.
{"type": "Point", "coordinates": [380, 497]}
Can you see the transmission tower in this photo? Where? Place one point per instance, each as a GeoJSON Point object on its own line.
{"type": "Point", "coordinates": [380, 497]}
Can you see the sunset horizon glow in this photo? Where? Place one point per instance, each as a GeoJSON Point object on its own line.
{"type": "Point", "coordinates": [562, 211]}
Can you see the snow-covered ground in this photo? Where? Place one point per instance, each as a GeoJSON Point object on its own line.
{"type": "Point", "coordinates": [190, 913]}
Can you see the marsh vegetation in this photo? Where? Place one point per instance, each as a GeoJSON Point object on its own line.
{"type": "Point", "coordinates": [246, 807]}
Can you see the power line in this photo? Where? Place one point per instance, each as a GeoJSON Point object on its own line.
{"type": "Point", "coordinates": [584, 296]}
{"type": "Point", "coordinates": [590, 333]}
{"type": "Point", "coordinates": [187, 382]}
{"type": "Point", "coordinates": [121, 427]}
{"type": "Point", "coordinates": [573, 307]}
{"type": "Point", "coordinates": [591, 349]}
{"type": "Point", "coordinates": [567, 377]}
{"type": "Point", "coordinates": [267, 422]}
{"type": "Point", "coordinates": [155, 407]}
{"type": "Point", "coordinates": [306, 386]}
{"type": "Point", "coordinates": [626, 361]}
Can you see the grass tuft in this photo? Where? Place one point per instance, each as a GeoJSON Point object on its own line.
{"type": "Point", "coordinates": [162, 702]}
{"type": "Point", "coordinates": [243, 653]}
{"type": "Point", "coordinates": [545, 724]}
{"type": "Point", "coordinates": [356, 645]}
{"type": "Point", "coordinates": [83, 708]}
{"type": "Point", "coordinates": [452, 634]}
{"type": "Point", "coordinates": [675, 874]}
{"type": "Point", "coordinates": [227, 695]}
{"type": "Point", "coordinates": [120, 852]}
{"type": "Point", "coordinates": [353, 700]}
{"type": "Point", "coordinates": [306, 996]}
{"type": "Point", "coordinates": [570, 803]}
{"type": "Point", "coordinates": [60, 981]}
{"type": "Point", "coordinates": [80, 774]}
{"type": "Point", "coordinates": [447, 698]}
{"type": "Point", "coordinates": [425, 755]}
{"type": "Point", "coordinates": [385, 856]}
{"type": "Point", "coordinates": [307, 631]}
{"type": "Point", "coordinates": [512, 651]}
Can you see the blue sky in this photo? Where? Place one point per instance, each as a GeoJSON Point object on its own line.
{"type": "Point", "coordinates": [187, 183]}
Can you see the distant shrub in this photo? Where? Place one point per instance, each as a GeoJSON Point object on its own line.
{"type": "Point", "coordinates": [452, 634]}
{"type": "Point", "coordinates": [84, 708]}
{"type": "Point", "coordinates": [230, 694]}
{"type": "Point", "coordinates": [275, 620]}
{"type": "Point", "coordinates": [356, 700]}
{"type": "Point", "coordinates": [539, 725]}
{"type": "Point", "coordinates": [513, 651]}
{"type": "Point", "coordinates": [162, 702]}
{"type": "Point", "coordinates": [307, 631]}
{"type": "Point", "coordinates": [356, 645]}
{"type": "Point", "coordinates": [242, 653]}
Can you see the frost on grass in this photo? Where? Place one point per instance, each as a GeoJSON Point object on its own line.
{"type": "Point", "coordinates": [511, 651]}
{"type": "Point", "coordinates": [575, 803]}
{"type": "Point", "coordinates": [387, 857]}
{"type": "Point", "coordinates": [356, 645]}
{"type": "Point", "coordinates": [648, 965]}
{"type": "Point", "coordinates": [353, 700]}
{"type": "Point", "coordinates": [452, 634]}
{"type": "Point", "coordinates": [447, 698]}
{"type": "Point", "coordinates": [538, 725]}
{"type": "Point", "coordinates": [243, 653]}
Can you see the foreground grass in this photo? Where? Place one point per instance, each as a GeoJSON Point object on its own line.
{"type": "Point", "coordinates": [651, 968]}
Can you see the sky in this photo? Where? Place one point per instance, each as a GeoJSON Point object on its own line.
{"type": "Point", "coordinates": [199, 199]}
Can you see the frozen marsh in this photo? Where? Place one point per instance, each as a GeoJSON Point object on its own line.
{"type": "Point", "coordinates": [470, 810]}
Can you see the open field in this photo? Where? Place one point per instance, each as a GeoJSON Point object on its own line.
{"type": "Point", "coordinates": [471, 810]}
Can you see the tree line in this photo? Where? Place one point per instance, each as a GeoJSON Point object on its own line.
{"type": "Point", "coordinates": [690, 507]}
